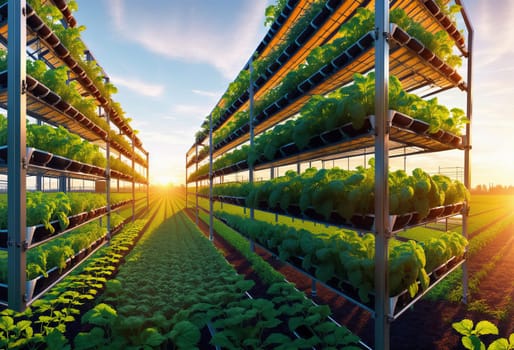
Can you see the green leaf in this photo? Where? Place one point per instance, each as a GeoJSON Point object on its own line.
{"type": "Point", "coordinates": [152, 337]}
{"type": "Point", "coordinates": [464, 327]}
{"type": "Point", "coordinates": [295, 322]}
{"type": "Point", "coordinates": [500, 344]}
{"type": "Point", "coordinates": [220, 339]}
{"type": "Point", "coordinates": [424, 279]}
{"type": "Point", "coordinates": [101, 315]}
{"type": "Point", "coordinates": [45, 319]}
{"type": "Point", "coordinates": [56, 340]}
{"type": "Point", "coordinates": [413, 289]}
{"type": "Point", "coordinates": [325, 271]}
{"type": "Point", "coordinates": [485, 327]}
{"type": "Point", "coordinates": [185, 335]}
{"type": "Point", "coordinates": [90, 340]}
{"type": "Point", "coordinates": [245, 285]}
{"type": "Point", "coordinates": [276, 338]}
{"type": "Point", "coordinates": [312, 319]}
{"type": "Point", "coordinates": [6, 323]}
{"type": "Point", "coordinates": [325, 327]}
{"type": "Point", "coordinates": [472, 342]}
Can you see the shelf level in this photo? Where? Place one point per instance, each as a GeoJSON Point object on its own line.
{"type": "Point", "coordinates": [48, 47]}
{"type": "Point", "coordinates": [48, 164]}
{"type": "Point", "coordinates": [40, 285]}
{"type": "Point", "coordinates": [398, 303]}
{"type": "Point", "coordinates": [38, 234]}
{"type": "Point", "coordinates": [358, 222]}
{"type": "Point", "coordinates": [44, 104]}
{"type": "Point", "coordinates": [410, 61]}
{"type": "Point", "coordinates": [405, 133]}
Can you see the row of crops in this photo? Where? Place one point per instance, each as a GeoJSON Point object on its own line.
{"type": "Point", "coordinates": [343, 113]}
{"type": "Point", "coordinates": [342, 196]}
{"type": "Point", "coordinates": [52, 319]}
{"type": "Point", "coordinates": [49, 142]}
{"type": "Point", "coordinates": [308, 94]}
{"type": "Point", "coordinates": [345, 256]}
{"type": "Point", "coordinates": [119, 300]}
{"type": "Point", "coordinates": [57, 208]}
{"type": "Point", "coordinates": [203, 300]}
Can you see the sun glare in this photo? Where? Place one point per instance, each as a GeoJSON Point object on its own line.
{"type": "Point", "coordinates": [163, 180]}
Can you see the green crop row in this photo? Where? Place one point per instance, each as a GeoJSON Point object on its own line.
{"type": "Point", "coordinates": [43, 207]}
{"type": "Point", "coordinates": [299, 311]}
{"type": "Point", "coordinates": [44, 323]}
{"type": "Point", "coordinates": [147, 306]}
{"type": "Point", "coordinates": [350, 104]}
{"type": "Point", "coordinates": [57, 252]}
{"type": "Point", "coordinates": [346, 256]}
{"type": "Point", "coordinates": [61, 142]}
{"type": "Point", "coordinates": [348, 192]}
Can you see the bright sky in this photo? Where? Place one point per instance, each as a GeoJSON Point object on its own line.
{"type": "Point", "coordinates": [172, 61]}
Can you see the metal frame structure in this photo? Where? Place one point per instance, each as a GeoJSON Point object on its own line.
{"type": "Point", "coordinates": [383, 231]}
{"type": "Point", "coordinates": [382, 143]}
{"type": "Point", "coordinates": [19, 166]}
{"type": "Point", "coordinates": [467, 148]}
{"type": "Point", "coordinates": [17, 163]}
{"type": "Point", "coordinates": [252, 137]}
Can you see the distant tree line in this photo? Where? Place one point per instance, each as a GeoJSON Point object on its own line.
{"type": "Point", "coordinates": [493, 189]}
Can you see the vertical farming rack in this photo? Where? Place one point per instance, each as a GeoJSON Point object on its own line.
{"type": "Point", "coordinates": [33, 41]}
{"type": "Point", "coordinates": [303, 57]}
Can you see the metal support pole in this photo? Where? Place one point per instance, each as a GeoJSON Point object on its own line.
{"type": "Point", "coordinates": [196, 183]}
{"type": "Point", "coordinates": [147, 180]}
{"type": "Point", "coordinates": [382, 322]}
{"type": "Point", "coordinates": [133, 179]}
{"type": "Point", "coordinates": [314, 291]}
{"type": "Point", "coordinates": [404, 158]}
{"type": "Point", "coordinates": [39, 177]}
{"type": "Point", "coordinates": [250, 168]}
{"type": "Point", "coordinates": [63, 184]}
{"type": "Point", "coordinates": [17, 157]}
{"type": "Point", "coordinates": [108, 178]}
{"type": "Point", "coordinates": [186, 182]}
{"type": "Point", "coordinates": [467, 149]}
{"type": "Point", "coordinates": [39, 183]}
{"type": "Point", "coordinates": [211, 220]}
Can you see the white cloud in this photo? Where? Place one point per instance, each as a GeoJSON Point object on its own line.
{"type": "Point", "coordinates": [492, 22]}
{"type": "Point", "coordinates": [206, 93]}
{"type": "Point", "coordinates": [139, 86]}
{"type": "Point", "coordinates": [195, 31]}
{"type": "Point", "coordinates": [116, 11]}
{"type": "Point", "coordinates": [197, 111]}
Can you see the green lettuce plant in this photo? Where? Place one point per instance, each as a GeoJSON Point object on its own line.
{"type": "Point", "coordinates": [471, 334]}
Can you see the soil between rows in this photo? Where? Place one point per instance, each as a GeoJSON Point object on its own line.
{"type": "Point", "coordinates": [428, 324]}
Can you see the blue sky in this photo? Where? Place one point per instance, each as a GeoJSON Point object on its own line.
{"type": "Point", "coordinates": [172, 60]}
